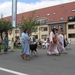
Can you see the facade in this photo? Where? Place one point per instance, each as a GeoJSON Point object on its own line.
{"type": "Point", "coordinates": [71, 31]}
{"type": "Point", "coordinates": [70, 27]}
{"type": "Point", "coordinates": [16, 33]}
{"type": "Point", "coordinates": [43, 29]}
{"type": "Point", "coordinates": [54, 16]}
{"type": "Point", "coordinates": [59, 26]}
{"type": "Point", "coordinates": [42, 33]}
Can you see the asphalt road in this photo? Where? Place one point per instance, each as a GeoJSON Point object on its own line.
{"type": "Point", "coordinates": [13, 64]}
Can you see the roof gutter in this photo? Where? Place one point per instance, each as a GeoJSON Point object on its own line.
{"type": "Point", "coordinates": [57, 22]}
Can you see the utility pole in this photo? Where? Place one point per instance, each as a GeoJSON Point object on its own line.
{"type": "Point", "coordinates": [0, 34]}
{"type": "Point", "coordinates": [0, 42]}
{"type": "Point", "coordinates": [14, 14]}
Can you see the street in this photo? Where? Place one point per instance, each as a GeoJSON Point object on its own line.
{"type": "Point", "coordinates": [13, 64]}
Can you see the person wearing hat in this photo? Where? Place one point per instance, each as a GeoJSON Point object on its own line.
{"type": "Point", "coordinates": [25, 44]}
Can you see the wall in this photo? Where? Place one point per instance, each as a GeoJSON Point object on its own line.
{"type": "Point", "coordinates": [70, 31]}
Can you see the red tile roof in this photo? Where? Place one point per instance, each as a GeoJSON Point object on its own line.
{"type": "Point", "coordinates": [56, 12]}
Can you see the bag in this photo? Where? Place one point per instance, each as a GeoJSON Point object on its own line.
{"type": "Point", "coordinates": [55, 40]}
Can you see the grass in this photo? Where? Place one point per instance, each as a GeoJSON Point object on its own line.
{"type": "Point", "coordinates": [2, 47]}
{"type": "Point", "coordinates": [19, 47]}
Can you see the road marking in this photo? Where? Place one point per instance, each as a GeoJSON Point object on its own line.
{"type": "Point", "coordinates": [11, 71]}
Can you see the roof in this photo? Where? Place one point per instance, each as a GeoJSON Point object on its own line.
{"type": "Point", "coordinates": [57, 22]}
{"type": "Point", "coordinates": [54, 13]}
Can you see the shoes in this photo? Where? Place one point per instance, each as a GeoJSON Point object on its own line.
{"type": "Point", "coordinates": [27, 58]}
{"type": "Point", "coordinates": [5, 52]}
{"type": "Point", "coordinates": [12, 51]}
{"type": "Point", "coordinates": [65, 52]}
{"type": "Point", "coordinates": [57, 54]}
{"type": "Point", "coordinates": [48, 54]}
{"type": "Point", "coordinates": [22, 56]}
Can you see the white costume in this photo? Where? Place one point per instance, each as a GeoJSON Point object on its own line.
{"type": "Point", "coordinates": [11, 42]}
{"type": "Point", "coordinates": [52, 47]}
{"type": "Point", "coordinates": [61, 43]}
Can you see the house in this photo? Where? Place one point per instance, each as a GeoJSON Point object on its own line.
{"type": "Point", "coordinates": [59, 16]}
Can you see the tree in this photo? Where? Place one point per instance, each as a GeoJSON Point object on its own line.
{"type": "Point", "coordinates": [29, 23]}
{"type": "Point", "coordinates": [4, 26]}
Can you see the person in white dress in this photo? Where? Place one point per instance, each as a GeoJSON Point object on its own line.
{"type": "Point", "coordinates": [61, 42]}
{"type": "Point", "coordinates": [52, 46]}
{"type": "Point", "coordinates": [11, 41]}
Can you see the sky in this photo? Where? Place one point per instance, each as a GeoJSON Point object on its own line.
{"type": "Point", "coordinates": [27, 5]}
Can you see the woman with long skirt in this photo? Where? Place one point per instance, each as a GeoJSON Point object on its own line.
{"type": "Point", "coordinates": [25, 44]}
{"type": "Point", "coordinates": [53, 44]}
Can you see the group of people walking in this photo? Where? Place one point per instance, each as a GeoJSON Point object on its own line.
{"type": "Point", "coordinates": [8, 42]}
{"type": "Point", "coordinates": [56, 45]}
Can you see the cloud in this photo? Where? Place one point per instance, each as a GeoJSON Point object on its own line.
{"type": "Point", "coordinates": [6, 7]}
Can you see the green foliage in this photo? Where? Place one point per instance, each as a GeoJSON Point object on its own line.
{"type": "Point", "coordinates": [5, 25]}
{"type": "Point", "coordinates": [29, 23]}
{"type": "Point", "coordinates": [2, 47]}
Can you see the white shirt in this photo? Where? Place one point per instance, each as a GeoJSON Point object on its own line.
{"type": "Point", "coordinates": [10, 37]}
{"type": "Point", "coordinates": [51, 36]}
{"type": "Point", "coordinates": [61, 38]}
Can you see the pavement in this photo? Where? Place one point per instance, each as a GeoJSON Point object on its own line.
{"type": "Point", "coordinates": [13, 64]}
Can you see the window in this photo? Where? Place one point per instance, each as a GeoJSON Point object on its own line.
{"type": "Point", "coordinates": [73, 10]}
{"type": "Point", "coordinates": [48, 14]}
{"type": "Point", "coordinates": [43, 28]}
{"type": "Point", "coordinates": [52, 27]}
{"type": "Point", "coordinates": [65, 11]}
{"type": "Point", "coordinates": [43, 22]}
{"type": "Point", "coordinates": [52, 20]}
{"type": "Point", "coordinates": [37, 16]}
{"type": "Point", "coordinates": [16, 31]}
{"type": "Point", "coordinates": [71, 26]}
{"type": "Point", "coordinates": [36, 36]}
{"type": "Point", "coordinates": [54, 13]}
{"type": "Point", "coordinates": [44, 36]}
{"type": "Point", "coordinates": [38, 22]}
{"type": "Point", "coordinates": [61, 18]}
{"type": "Point", "coordinates": [71, 35]}
{"type": "Point", "coordinates": [60, 27]}
{"type": "Point", "coordinates": [71, 18]}
{"type": "Point", "coordinates": [17, 26]}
